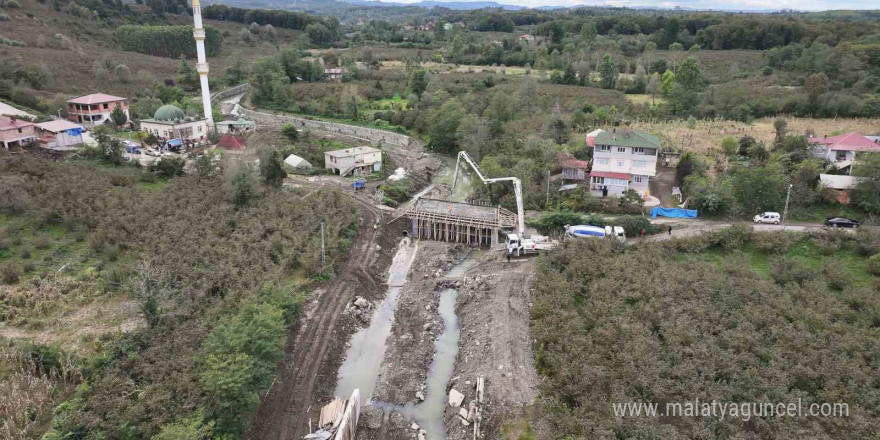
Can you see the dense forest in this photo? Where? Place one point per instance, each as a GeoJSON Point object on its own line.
{"type": "Point", "coordinates": [166, 41]}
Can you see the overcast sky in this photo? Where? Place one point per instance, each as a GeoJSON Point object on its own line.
{"type": "Point", "coordinates": [800, 5]}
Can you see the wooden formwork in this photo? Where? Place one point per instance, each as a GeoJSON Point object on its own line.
{"type": "Point", "coordinates": [455, 222]}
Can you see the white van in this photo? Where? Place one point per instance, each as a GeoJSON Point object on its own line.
{"type": "Point", "coordinates": [768, 217]}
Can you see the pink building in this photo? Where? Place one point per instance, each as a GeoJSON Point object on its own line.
{"type": "Point", "coordinates": [14, 131]}
{"type": "Point", "coordinates": [94, 109]}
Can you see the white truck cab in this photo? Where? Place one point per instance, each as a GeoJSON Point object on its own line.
{"type": "Point", "coordinates": [616, 232]}
{"type": "Point", "coordinates": [517, 245]}
{"type": "Point", "coordinates": [768, 217]}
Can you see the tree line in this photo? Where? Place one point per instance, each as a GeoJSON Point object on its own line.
{"type": "Point", "coordinates": [166, 41]}
{"type": "Point", "coordinates": [297, 21]}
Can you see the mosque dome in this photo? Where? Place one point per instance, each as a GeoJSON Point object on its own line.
{"type": "Point", "coordinates": [169, 113]}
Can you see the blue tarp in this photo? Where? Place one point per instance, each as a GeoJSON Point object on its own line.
{"type": "Point", "coordinates": [174, 143]}
{"type": "Point", "coordinates": [673, 212]}
{"type": "Point", "coordinates": [74, 131]}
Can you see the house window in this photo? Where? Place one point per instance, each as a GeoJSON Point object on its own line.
{"type": "Point", "coordinates": [200, 128]}
{"type": "Point", "coordinates": [106, 106]}
{"type": "Point", "coordinates": [599, 180]}
{"type": "Point", "coordinates": [639, 150]}
{"type": "Point", "coordinates": [841, 156]}
{"type": "Point", "coordinates": [19, 129]}
{"type": "Point", "coordinates": [621, 149]}
{"type": "Point", "coordinates": [165, 133]}
{"type": "Point", "coordinates": [639, 163]}
{"type": "Point", "coordinates": [620, 163]}
{"type": "Point", "coordinates": [604, 147]}
{"type": "Point", "coordinates": [637, 179]}
{"type": "Point", "coordinates": [602, 161]}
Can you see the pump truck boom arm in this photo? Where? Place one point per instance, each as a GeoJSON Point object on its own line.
{"type": "Point", "coordinates": [517, 187]}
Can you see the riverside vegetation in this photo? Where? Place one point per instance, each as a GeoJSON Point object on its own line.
{"type": "Point", "coordinates": [217, 274]}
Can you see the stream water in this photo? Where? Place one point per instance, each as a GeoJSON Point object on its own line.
{"type": "Point", "coordinates": [363, 358]}
{"type": "Point", "coordinates": [464, 188]}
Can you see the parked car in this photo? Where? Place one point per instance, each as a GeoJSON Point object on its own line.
{"type": "Point", "coordinates": [768, 217]}
{"type": "Point", "coordinates": [151, 152]}
{"type": "Point", "coordinates": [841, 222]}
{"type": "Point", "coordinates": [132, 150]}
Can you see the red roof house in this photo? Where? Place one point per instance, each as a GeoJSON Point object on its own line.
{"type": "Point", "coordinates": [842, 149]}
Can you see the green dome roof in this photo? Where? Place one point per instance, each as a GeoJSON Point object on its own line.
{"type": "Point", "coordinates": [169, 113]}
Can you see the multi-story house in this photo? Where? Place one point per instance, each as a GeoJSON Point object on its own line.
{"type": "Point", "coordinates": [94, 109]}
{"type": "Point", "coordinates": [357, 160]}
{"type": "Point", "coordinates": [623, 159]}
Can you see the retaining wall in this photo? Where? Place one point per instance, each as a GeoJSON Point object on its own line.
{"type": "Point", "coordinates": [363, 133]}
{"type": "Point", "coordinates": [230, 92]}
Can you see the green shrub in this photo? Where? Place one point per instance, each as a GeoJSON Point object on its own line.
{"type": "Point", "coordinates": [399, 191]}
{"type": "Point", "coordinates": [774, 242]}
{"type": "Point", "coordinates": [290, 131]}
{"type": "Point", "coordinates": [241, 353]}
{"type": "Point", "coordinates": [42, 242]}
{"type": "Point", "coordinates": [786, 270]}
{"type": "Point", "coordinates": [11, 272]}
{"type": "Point", "coordinates": [25, 253]}
{"type": "Point", "coordinates": [836, 276]}
{"type": "Point", "coordinates": [867, 242]}
{"type": "Point", "coordinates": [634, 224]}
{"type": "Point", "coordinates": [168, 166]}
{"type": "Point", "coordinates": [873, 265]}
{"type": "Point", "coordinates": [826, 246]}
{"type": "Point", "coordinates": [734, 237]}
{"type": "Point", "coordinates": [552, 223]}
{"type": "Point", "coordinates": [4, 17]}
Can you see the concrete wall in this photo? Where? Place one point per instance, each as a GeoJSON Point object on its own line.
{"type": "Point", "coordinates": [364, 133]}
{"type": "Point", "coordinates": [230, 92]}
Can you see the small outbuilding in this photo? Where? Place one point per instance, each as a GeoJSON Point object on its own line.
{"type": "Point", "coordinates": [297, 163]}
{"type": "Point", "coordinates": [60, 133]}
{"type": "Point", "coordinates": [241, 125]}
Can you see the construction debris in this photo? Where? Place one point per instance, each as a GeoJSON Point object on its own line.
{"type": "Point", "coordinates": [455, 398]}
{"type": "Point", "coordinates": [331, 413]}
{"type": "Point", "coordinates": [338, 419]}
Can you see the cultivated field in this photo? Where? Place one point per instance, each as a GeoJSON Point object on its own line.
{"type": "Point", "coordinates": [706, 135]}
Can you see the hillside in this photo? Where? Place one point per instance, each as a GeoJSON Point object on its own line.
{"type": "Point", "coordinates": [71, 50]}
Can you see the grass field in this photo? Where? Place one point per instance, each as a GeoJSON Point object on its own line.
{"type": "Point", "coordinates": [645, 99]}
{"type": "Point", "coordinates": [706, 135]}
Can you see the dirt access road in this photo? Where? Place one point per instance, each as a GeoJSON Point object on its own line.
{"type": "Point", "coordinates": [316, 345]}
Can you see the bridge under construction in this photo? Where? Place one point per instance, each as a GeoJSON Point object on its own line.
{"type": "Point", "coordinates": [457, 222]}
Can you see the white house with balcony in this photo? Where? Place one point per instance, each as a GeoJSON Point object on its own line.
{"type": "Point", "coordinates": [623, 159]}
{"type": "Point", "coordinates": [841, 150]}
{"type": "Point", "coordinates": [357, 161]}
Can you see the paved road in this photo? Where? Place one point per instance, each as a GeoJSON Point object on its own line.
{"type": "Point", "coordinates": [691, 227]}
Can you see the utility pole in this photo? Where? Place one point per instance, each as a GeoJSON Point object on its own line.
{"type": "Point", "coordinates": [547, 203]}
{"type": "Point", "coordinates": [785, 211]}
{"type": "Point", "coordinates": [323, 255]}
